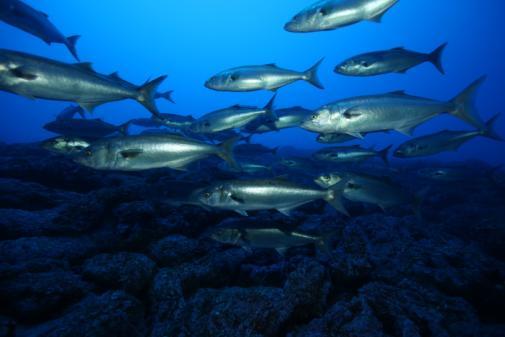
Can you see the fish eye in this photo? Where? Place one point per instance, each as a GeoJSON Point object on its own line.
{"type": "Point", "coordinates": [326, 178]}
{"type": "Point", "coordinates": [234, 77]}
{"type": "Point", "coordinates": [323, 11]}
{"type": "Point", "coordinates": [314, 117]}
{"type": "Point", "coordinates": [206, 124]}
{"type": "Point", "coordinates": [365, 64]}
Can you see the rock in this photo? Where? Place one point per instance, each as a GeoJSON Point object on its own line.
{"type": "Point", "coordinates": [126, 271]}
{"type": "Point", "coordinates": [174, 250]}
{"type": "Point", "coordinates": [37, 296]}
{"type": "Point", "coordinates": [111, 314]}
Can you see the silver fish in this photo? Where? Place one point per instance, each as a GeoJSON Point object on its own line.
{"type": "Point", "coordinates": [263, 77]}
{"type": "Point", "coordinates": [380, 191]}
{"type": "Point", "coordinates": [346, 154]}
{"type": "Point", "coordinates": [249, 195]}
{"type": "Point", "coordinates": [393, 111]}
{"type": "Point", "coordinates": [246, 167]}
{"type": "Point", "coordinates": [230, 118]}
{"type": "Point", "coordinates": [145, 152]}
{"type": "Point", "coordinates": [332, 14]}
{"type": "Point", "coordinates": [444, 141]}
{"type": "Point", "coordinates": [85, 128]}
{"type": "Point", "coordinates": [30, 20]}
{"type": "Point", "coordinates": [38, 77]}
{"type": "Point", "coordinates": [397, 60]}
{"type": "Point", "coordinates": [272, 238]}
{"type": "Point", "coordinates": [334, 138]}
{"type": "Point", "coordinates": [66, 145]}
{"type": "Point", "coordinates": [287, 118]}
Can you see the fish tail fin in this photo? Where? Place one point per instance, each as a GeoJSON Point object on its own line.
{"type": "Point", "coordinates": [166, 95]}
{"type": "Point", "coordinates": [226, 152]}
{"type": "Point", "coordinates": [384, 154]}
{"type": "Point", "coordinates": [147, 92]}
{"type": "Point", "coordinates": [436, 58]}
{"type": "Point", "coordinates": [71, 42]}
{"type": "Point", "coordinates": [334, 196]}
{"type": "Point", "coordinates": [489, 130]}
{"type": "Point", "coordinates": [311, 75]}
{"type": "Point", "coordinates": [463, 104]}
{"type": "Point", "coordinates": [123, 128]}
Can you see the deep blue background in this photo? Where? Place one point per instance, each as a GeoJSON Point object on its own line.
{"type": "Point", "coordinates": [191, 40]}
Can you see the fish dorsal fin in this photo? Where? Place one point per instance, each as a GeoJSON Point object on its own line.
{"type": "Point", "coordinates": [85, 65]}
{"type": "Point", "coordinates": [131, 153]}
{"type": "Point", "coordinates": [43, 14]}
{"type": "Point", "coordinates": [398, 92]}
{"type": "Point", "coordinates": [271, 65]}
{"type": "Point", "coordinates": [115, 76]}
{"type": "Point", "coordinates": [281, 250]}
{"type": "Point", "coordinates": [398, 48]}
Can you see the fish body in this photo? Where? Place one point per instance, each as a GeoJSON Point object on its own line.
{"type": "Point", "coordinates": [334, 138]}
{"type": "Point", "coordinates": [287, 118]}
{"type": "Point", "coordinates": [38, 77]}
{"type": "Point", "coordinates": [242, 196]}
{"type": "Point", "coordinates": [261, 77]}
{"type": "Point", "coordinates": [246, 167]}
{"type": "Point", "coordinates": [272, 238]}
{"type": "Point", "coordinates": [392, 111]}
{"type": "Point", "coordinates": [145, 152]}
{"type": "Point", "coordinates": [84, 128]}
{"type": "Point", "coordinates": [396, 60]}
{"type": "Point", "coordinates": [447, 174]}
{"type": "Point", "coordinates": [231, 118]}
{"type": "Point", "coordinates": [18, 14]}
{"type": "Point", "coordinates": [364, 188]}
{"type": "Point", "coordinates": [66, 145]}
{"type": "Point", "coordinates": [444, 141]}
{"type": "Point", "coordinates": [333, 14]}
{"type": "Point", "coordinates": [346, 154]}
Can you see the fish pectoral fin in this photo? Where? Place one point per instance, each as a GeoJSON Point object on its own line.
{"type": "Point", "coordinates": [355, 135]}
{"type": "Point", "coordinates": [241, 212]}
{"type": "Point", "coordinates": [23, 73]}
{"type": "Point", "coordinates": [378, 17]}
{"type": "Point", "coordinates": [407, 130]}
{"type": "Point", "coordinates": [237, 200]}
{"type": "Point", "coordinates": [131, 153]}
{"type": "Point", "coordinates": [282, 250]}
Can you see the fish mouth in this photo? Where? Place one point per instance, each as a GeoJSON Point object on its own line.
{"type": "Point", "coordinates": [290, 27]}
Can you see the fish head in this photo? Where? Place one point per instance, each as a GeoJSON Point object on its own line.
{"type": "Point", "coordinates": [359, 66]}
{"type": "Point", "coordinates": [313, 18]}
{"type": "Point", "coordinates": [218, 195]}
{"type": "Point", "coordinates": [95, 156]}
{"type": "Point", "coordinates": [225, 81]}
{"type": "Point", "coordinates": [319, 121]}
{"type": "Point", "coordinates": [327, 180]}
{"type": "Point", "coordinates": [226, 235]}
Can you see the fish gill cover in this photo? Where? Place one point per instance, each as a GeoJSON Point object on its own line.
{"type": "Point", "coordinates": [251, 168]}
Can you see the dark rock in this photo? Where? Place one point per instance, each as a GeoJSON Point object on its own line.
{"type": "Point", "coordinates": [37, 296]}
{"type": "Point", "coordinates": [111, 314]}
{"type": "Point", "coordinates": [127, 271]}
{"type": "Point", "coordinates": [174, 250]}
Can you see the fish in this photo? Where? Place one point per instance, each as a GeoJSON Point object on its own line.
{"type": "Point", "coordinates": [254, 150]}
{"type": "Point", "coordinates": [85, 128]}
{"type": "Point", "coordinates": [246, 167]}
{"type": "Point", "coordinates": [242, 196]}
{"type": "Point", "coordinates": [143, 152]}
{"type": "Point", "coordinates": [66, 145]}
{"type": "Point", "coordinates": [70, 112]}
{"type": "Point", "coordinates": [380, 191]}
{"type": "Point", "coordinates": [333, 14]}
{"type": "Point", "coordinates": [355, 153]}
{"type": "Point", "coordinates": [334, 138]}
{"type": "Point", "coordinates": [443, 141]}
{"type": "Point", "coordinates": [231, 118]}
{"type": "Point", "coordinates": [273, 238]}
{"type": "Point", "coordinates": [174, 120]}
{"type": "Point", "coordinates": [20, 15]}
{"type": "Point", "coordinates": [261, 77]}
{"type": "Point", "coordinates": [286, 118]}
{"type": "Point", "coordinates": [392, 111]}
{"type": "Point", "coordinates": [447, 174]}
{"type": "Point", "coordinates": [396, 60]}
{"type": "Point", "coordinates": [33, 76]}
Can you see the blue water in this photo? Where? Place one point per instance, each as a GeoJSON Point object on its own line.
{"type": "Point", "coordinates": [192, 40]}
